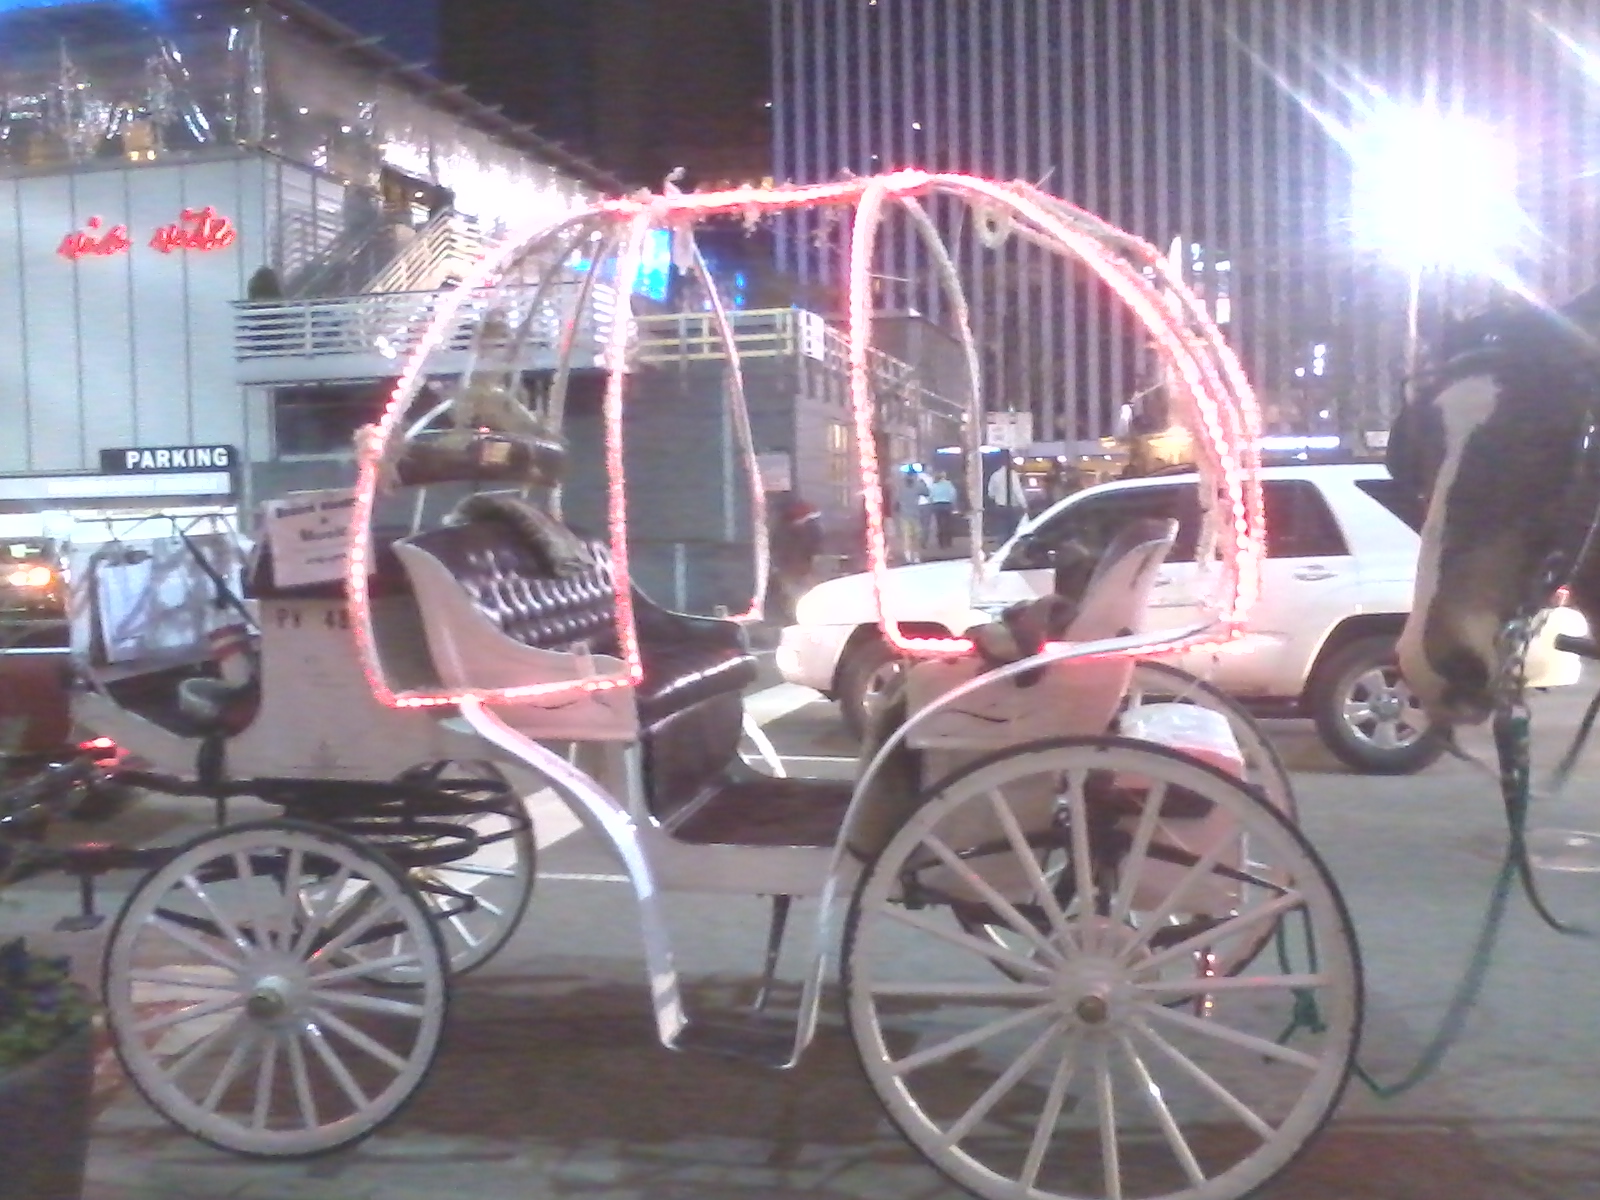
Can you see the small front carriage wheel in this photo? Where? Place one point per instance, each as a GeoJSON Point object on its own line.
{"type": "Point", "coordinates": [235, 1008]}
{"type": "Point", "coordinates": [478, 900]}
{"type": "Point", "coordinates": [1111, 1063]}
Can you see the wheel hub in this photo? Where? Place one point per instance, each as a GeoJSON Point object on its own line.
{"type": "Point", "coordinates": [270, 1000]}
{"type": "Point", "coordinates": [1388, 705]}
{"type": "Point", "coordinates": [1093, 1009]}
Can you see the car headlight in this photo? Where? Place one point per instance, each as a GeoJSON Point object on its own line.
{"type": "Point", "coordinates": [37, 578]}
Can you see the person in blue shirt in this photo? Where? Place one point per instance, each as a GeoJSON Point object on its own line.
{"type": "Point", "coordinates": [909, 500]}
{"type": "Point", "coordinates": [942, 500]}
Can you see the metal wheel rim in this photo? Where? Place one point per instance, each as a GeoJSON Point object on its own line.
{"type": "Point", "coordinates": [1099, 1047]}
{"type": "Point", "coordinates": [499, 875]}
{"type": "Point", "coordinates": [1265, 770]}
{"type": "Point", "coordinates": [263, 1042]}
{"type": "Point", "coordinates": [1380, 712]}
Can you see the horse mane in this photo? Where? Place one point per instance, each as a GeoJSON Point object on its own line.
{"type": "Point", "coordinates": [1533, 340]}
{"type": "Point", "coordinates": [1549, 353]}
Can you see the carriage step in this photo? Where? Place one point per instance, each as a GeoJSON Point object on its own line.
{"type": "Point", "coordinates": [1583, 647]}
{"type": "Point", "coordinates": [84, 923]}
{"type": "Point", "coordinates": [767, 1042]}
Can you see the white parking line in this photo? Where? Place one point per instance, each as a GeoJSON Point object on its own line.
{"type": "Point", "coordinates": [554, 822]}
{"type": "Point", "coordinates": [774, 703]}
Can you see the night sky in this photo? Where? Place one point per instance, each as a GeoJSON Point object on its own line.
{"type": "Point", "coordinates": [409, 28]}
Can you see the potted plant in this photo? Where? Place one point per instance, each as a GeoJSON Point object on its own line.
{"type": "Point", "coordinates": [46, 1076]}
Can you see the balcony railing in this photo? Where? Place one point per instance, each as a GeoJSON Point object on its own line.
{"type": "Point", "coordinates": [372, 335]}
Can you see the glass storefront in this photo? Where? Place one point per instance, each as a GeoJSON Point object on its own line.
{"type": "Point", "coordinates": [81, 84]}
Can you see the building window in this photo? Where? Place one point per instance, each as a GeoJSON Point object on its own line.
{"type": "Point", "coordinates": [841, 464]}
{"type": "Point", "coordinates": [320, 420]}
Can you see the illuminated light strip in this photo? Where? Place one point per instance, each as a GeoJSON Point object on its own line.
{"type": "Point", "coordinates": [1208, 370]}
{"type": "Point", "coordinates": [621, 334]}
{"type": "Point", "coordinates": [1234, 447]}
{"type": "Point", "coordinates": [370, 455]}
{"type": "Point", "coordinates": [1239, 566]}
{"type": "Point", "coordinates": [740, 411]}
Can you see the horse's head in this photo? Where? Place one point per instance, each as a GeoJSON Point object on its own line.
{"type": "Point", "coordinates": [1492, 442]}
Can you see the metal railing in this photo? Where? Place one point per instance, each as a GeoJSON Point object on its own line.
{"type": "Point", "coordinates": [389, 325]}
{"type": "Point", "coordinates": [781, 333]}
{"type": "Point", "coordinates": [379, 327]}
{"type": "Point", "coordinates": [439, 256]}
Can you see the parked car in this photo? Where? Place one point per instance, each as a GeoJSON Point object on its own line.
{"type": "Point", "coordinates": [32, 586]}
{"type": "Point", "coordinates": [1341, 558]}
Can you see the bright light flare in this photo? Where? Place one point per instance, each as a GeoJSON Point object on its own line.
{"type": "Point", "coordinates": [1436, 189]}
{"type": "Point", "coordinates": [31, 577]}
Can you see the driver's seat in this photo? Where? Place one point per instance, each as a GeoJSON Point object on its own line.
{"type": "Point", "coordinates": [1068, 699]}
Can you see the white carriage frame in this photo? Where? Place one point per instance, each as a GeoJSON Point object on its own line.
{"type": "Point", "coordinates": [602, 780]}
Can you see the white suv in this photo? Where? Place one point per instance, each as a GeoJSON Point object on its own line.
{"type": "Point", "coordinates": [1337, 584]}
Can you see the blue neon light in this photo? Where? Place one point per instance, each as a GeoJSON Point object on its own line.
{"type": "Point", "coordinates": [655, 267]}
{"type": "Point", "coordinates": [18, 5]}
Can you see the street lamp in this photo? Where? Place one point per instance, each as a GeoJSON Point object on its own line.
{"type": "Point", "coordinates": [1435, 191]}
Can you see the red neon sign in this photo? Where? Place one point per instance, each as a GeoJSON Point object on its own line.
{"type": "Point", "coordinates": [197, 229]}
{"type": "Point", "coordinates": [95, 241]}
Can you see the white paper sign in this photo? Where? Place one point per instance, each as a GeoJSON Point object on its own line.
{"type": "Point", "coordinates": [813, 336]}
{"type": "Point", "coordinates": [1008, 430]}
{"type": "Point", "coordinates": [307, 534]}
{"type": "Point", "coordinates": [150, 601]}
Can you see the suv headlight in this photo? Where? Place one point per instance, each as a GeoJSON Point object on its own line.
{"type": "Point", "coordinates": [33, 578]}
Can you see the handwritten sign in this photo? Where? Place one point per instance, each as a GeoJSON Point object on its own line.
{"type": "Point", "coordinates": [94, 240]}
{"type": "Point", "coordinates": [306, 533]}
{"type": "Point", "coordinates": [198, 229]}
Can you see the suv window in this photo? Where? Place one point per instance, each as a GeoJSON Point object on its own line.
{"type": "Point", "coordinates": [1402, 502]}
{"type": "Point", "coordinates": [1299, 522]}
{"type": "Point", "coordinates": [1095, 521]}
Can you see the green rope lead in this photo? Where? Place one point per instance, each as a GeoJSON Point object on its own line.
{"type": "Point", "coordinates": [1306, 1015]}
{"type": "Point", "coordinates": [1511, 735]}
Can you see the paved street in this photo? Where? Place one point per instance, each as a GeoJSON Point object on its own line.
{"type": "Point", "coordinates": [551, 1084]}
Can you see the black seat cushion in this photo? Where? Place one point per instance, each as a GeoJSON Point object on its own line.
{"type": "Point", "coordinates": [677, 676]}
{"type": "Point", "coordinates": [685, 659]}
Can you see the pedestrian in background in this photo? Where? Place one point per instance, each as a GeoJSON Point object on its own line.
{"type": "Point", "coordinates": [795, 538]}
{"type": "Point", "coordinates": [1008, 501]}
{"type": "Point", "coordinates": [942, 500]}
{"type": "Point", "coordinates": [909, 500]}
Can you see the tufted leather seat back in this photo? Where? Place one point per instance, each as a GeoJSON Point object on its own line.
{"type": "Point", "coordinates": [695, 668]}
{"type": "Point", "coordinates": [511, 585]}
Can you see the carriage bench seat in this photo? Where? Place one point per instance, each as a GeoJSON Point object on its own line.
{"type": "Point", "coordinates": [686, 659]}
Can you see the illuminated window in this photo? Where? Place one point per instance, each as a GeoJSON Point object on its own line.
{"type": "Point", "coordinates": [841, 464]}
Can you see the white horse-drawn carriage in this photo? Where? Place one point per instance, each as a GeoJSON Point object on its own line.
{"type": "Point", "coordinates": [1070, 910]}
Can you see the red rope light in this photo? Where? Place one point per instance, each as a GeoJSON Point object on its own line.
{"type": "Point", "coordinates": [1209, 378]}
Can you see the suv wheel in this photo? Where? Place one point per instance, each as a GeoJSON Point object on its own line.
{"type": "Point", "coordinates": [1367, 716]}
{"type": "Point", "coordinates": [869, 667]}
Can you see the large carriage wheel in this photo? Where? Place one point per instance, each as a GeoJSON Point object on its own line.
{"type": "Point", "coordinates": [235, 1010]}
{"type": "Point", "coordinates": [1159, 683]}
{"type": "Point", "coordinates": [1104, 1066]}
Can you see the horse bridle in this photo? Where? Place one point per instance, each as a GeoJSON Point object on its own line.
{"type": "Point", "coordinates": [1579, 506]}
